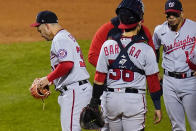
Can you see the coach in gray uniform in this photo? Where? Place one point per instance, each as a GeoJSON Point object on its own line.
{"type": "Point", "coordinates": [69, 74]}
{"type": "Point", "coordinates": [177, 35]}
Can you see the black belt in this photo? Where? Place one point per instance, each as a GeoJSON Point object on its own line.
{"type": "Point", "coordinates": [82, 82]}
{"type": "Point", "coordinates": [178, 75]}
{"type": "Point", "coordinates": [127, 90]}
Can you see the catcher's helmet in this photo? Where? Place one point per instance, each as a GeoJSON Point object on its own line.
{"type": "Point", "coordinates": [130, 13]}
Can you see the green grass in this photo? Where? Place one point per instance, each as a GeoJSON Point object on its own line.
{"type": "Point", "coordinates": [20, 64]}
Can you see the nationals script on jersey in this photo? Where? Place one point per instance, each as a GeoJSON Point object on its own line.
{"type": "Point", "coordinates": [141, 54]}
{"type": "Point", "coordinates": [65, 48]}
{"type": "Point", "coordinates": [175, 44]}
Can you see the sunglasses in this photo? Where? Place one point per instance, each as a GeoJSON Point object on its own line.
{"type": "Point", "coordinates": [168, 14]}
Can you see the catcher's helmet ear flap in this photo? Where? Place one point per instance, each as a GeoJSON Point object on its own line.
{"type": "Point", "coordinates": [135, 6]}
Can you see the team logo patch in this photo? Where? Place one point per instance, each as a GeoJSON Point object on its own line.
{"type": "Point", "coordinates": [62, 53]}
{"type": "Point", "coordinates": [171, 4]}
{"type": "Point", "coordinates": [123, 60]}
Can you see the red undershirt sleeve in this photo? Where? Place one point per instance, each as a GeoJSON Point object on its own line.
{"type": "Point", "coordinates": [191, 65]}
{"type": "Point", "coordinates": [153, 83]}
{"type": "Point", "coordinates": [98, 39]}
{"type": "Point", "coordinates": [149, 36]}
{"type": "Point", "coordinates": [155, 90]}
{"type": "Point", "coordinates": [62, 69]}
{"type": "Point", "coordinates": [100, 77]}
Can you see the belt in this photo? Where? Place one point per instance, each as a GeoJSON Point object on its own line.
{"type": "Point", "coordinates": [179, 75]}
{"type": "Point", "coordinates": [126, 90]}
{"type": "Point", "coordinates": [64, 88]}
{"type": "Point", "coordinates": [82, 82]}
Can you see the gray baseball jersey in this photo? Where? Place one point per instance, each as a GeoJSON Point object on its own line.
{"type": "Point", "coordinates": [65, 48]}
{"type": "Point", "coordinates": [141, 54]}
{"type": "Point", "coordinates": [175, 44]}
{"type": "Point", "coordinates": [178, 94]}
{"type": "Point", "coordinates": [132, 106]}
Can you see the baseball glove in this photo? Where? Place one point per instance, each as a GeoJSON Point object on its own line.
{"type": "Point", "coordinates": [91, 118]}
{"type": "Point", "coordinates": [38, 92]}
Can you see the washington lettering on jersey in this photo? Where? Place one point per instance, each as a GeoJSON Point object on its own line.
{"type": "Point", "coordinates": [175, 45]}
{"type": "Point", "coordinates": [114, 49]}
{"type": "Point", "coordinates": [179, 44]}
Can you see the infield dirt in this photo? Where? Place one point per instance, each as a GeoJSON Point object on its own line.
{"type": "Point", "coordinates": [80, 17]}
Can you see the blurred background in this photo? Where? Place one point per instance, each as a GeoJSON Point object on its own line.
{"type": "Point", "coordinates": [24, 55]}
{"type": "Point", "coordinates": [81, 17]}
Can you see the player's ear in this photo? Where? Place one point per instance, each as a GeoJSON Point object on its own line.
{"type": "Point", "coordinates": [38, 29]}
{"type": "Point", "coordinates": [182, 14]}
{"type": "Point", "coordinates": [47, 26]}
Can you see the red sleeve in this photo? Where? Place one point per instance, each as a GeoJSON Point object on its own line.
{"type": "Point", "coordinates": [99, 38]}
{"type": "Point", "coordinates": [62, 69]}
{"type": "Point", "coordinates": [191, 65]}
{"type": "Point", "coordinates": [149, 36]}
{"type": "Point", "coordinates": [100, 77]}
{"type": "Point", "coordinates": [153, 83]}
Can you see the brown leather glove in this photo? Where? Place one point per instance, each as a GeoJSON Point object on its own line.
{"type": "Point", "coordinates": [39, 92]}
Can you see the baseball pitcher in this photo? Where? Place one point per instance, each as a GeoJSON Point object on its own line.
{"type": "Point", "coordinates": [69, 73]}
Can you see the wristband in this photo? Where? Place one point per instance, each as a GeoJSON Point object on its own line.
{"type": "Point", "coordinates": [156, 99]}
{"type": "Point", "coordinates": [98, 90]}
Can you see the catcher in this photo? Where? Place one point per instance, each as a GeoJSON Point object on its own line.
{"type": "Point", "coordinates": [125, 63]}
